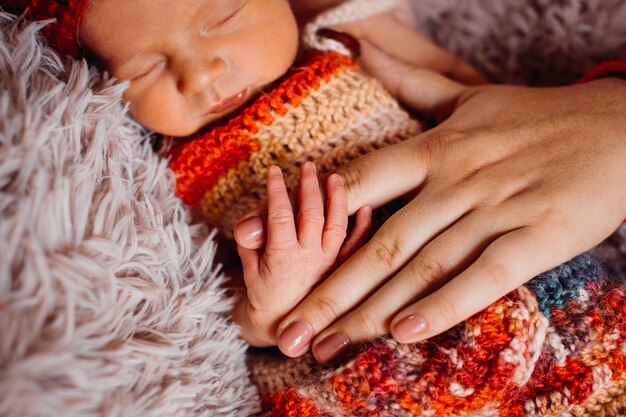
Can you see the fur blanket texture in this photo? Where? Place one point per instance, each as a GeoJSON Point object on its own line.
{"type": "Point", "coordinates": [110, 303]}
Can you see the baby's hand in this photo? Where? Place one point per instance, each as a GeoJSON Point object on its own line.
{"type": "Point", "coordinates": [400, 40]}
{"type": "Point", "coordinates": [299, 251]}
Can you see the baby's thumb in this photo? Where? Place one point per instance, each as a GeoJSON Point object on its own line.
{"type": "Point", "coordinates": [249, 232]}
{"type": "Point", "coordinates": [428, 92]}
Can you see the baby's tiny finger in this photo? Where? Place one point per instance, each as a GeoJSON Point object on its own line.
{"type": "Point", "coordinates": [359, 234]}
{"type": "Point", "coordinates": [336, 214]}
{"type": "Point", "coordinates": [311, 207]}
{"type": "Point", "coordinates": [281, 227]}
{"type": "Point", "coordinates": [249, 261]}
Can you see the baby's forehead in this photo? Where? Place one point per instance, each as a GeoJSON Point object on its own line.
{"type": "Point", "coordinates": [118, 31]}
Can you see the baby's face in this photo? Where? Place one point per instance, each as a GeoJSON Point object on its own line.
{"type": "Point", "coordinates": [190, 62]}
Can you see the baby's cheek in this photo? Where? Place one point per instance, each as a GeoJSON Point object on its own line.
{"type": "Point", "coordinates": [164, 115]}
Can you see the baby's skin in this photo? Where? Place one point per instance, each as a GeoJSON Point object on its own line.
{"type": "Point", "coordinates": [301, 245]}
{"type": "Point", "coordinates": [192, 63]}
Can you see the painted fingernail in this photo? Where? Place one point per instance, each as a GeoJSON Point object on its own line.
{"type": "Point", "coordinates": [409, 327]}
{"type": "Point", "coordinates": [295, 337]}
{"type": "Point", "coordinates": [250, 230]}
{"type": "Point", "coordinates": [331, 347]}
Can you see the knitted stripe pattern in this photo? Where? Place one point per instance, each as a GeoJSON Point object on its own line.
{"type": "Point", "coordinates": [554, 347]}
{"type": "Point", "coordinates": [60, 34]}
{"type": "Point", "coordinates": [325, 110]}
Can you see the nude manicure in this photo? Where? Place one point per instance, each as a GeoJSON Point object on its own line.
{"type": "Point", "coordinates": [296, 337]}
{"type": "Point", "coordinates": [410, 327]}
{"type": "Point", "coordinates": [332, 347]}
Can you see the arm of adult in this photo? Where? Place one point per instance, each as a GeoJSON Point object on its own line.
{"type": "Point", "coordinates": [514, 182]}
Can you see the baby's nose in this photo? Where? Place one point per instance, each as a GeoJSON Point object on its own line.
{"type": "Point", "coordinates": [197, 76]}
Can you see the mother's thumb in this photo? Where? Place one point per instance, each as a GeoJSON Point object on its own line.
{"type": "Point", "coordinates": [426, 91]}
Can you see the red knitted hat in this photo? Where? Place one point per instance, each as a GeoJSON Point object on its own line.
{"type": "Point", "coordinates": [62, 34]}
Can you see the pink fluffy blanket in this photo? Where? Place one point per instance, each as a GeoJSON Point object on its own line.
{"type": "Point", "coordinates": [110, 303]}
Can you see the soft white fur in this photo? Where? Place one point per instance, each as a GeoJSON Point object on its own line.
{"type": "Point", "coordinates": [109, 300]}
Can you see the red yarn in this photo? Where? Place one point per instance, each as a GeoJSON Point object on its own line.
{"type": "Point", "coordinates": [606, 69]}
{"type": "Point", "coordinates": [62, 34]}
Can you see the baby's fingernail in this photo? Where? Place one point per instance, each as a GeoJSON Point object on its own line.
{"type": "Point", "coordinates": [310, 167]}
{"type": "Point", "coordinates": [295, 337]}
{"type": "Point", "coordinates": [249, 230]}
{"type": "Point", "coordinates": [275, 170]}
{"type": "Point", "coordinates": [331, 347]}
{"type": "Point", "coordinates": [337, 180]}
{"type": "Point", "coordinates": [409, 327]}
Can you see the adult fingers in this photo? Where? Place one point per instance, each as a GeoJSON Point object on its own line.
{"type": "Point", "coordinates": [311, 207]}
{"type": "Point", "coordinates": [409, 229]}
{"type": "Point", "coordinates": [367, 177]}
{"type": "Point", "coordinates": [433, 266]}
{"type": "Point", "coordinates": [281, 227]}
{"type": "Point", "coordinates": [501, 268]}
{"type": "Point", "coordinates": [426, 91]}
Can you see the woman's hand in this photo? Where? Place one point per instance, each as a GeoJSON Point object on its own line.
{"type": "Point", "coordinates": [514, 182]}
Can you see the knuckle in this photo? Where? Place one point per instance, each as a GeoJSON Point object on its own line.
{"type": "Point", "coordinates": [312, 215]}
{"type": "Point", "coordinates": [280, 214]}
{"type": "Point", "coordinates": [448, 310]}
{"type": "Point", "coordinates": [496, 273]}
{"type": "Point", "coordinates": [336, 227]}
{"type": "Point", "coordinates": [368, 326]}
{"type": "Point", "coordinates": [439, 144]}
{"type": "Point", "coordinates": [327, 309]}
{"type": "Point", "coordinates": [428, 270]}
{"type": "Point", "coordinates": [337, 232]}
{"type": "Point", "coordinates": [384, 251]}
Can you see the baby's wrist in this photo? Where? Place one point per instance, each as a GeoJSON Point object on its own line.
{"type": "Point", "coordinates": [249, 331]}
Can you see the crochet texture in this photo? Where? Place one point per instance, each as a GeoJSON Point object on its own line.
{"type": "Point", "coordinates": [324, 110]}
{"type": "Point", "coordinates": [553, 347]}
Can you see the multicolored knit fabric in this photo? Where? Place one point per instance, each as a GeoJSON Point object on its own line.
{"type": "Point", "coordinates": [554, 347]}
{"type": "Point", "coordinates": [325, 110]}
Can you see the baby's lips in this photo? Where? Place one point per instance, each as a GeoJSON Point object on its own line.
{"type": "Point", "coordinates": [249, 232]}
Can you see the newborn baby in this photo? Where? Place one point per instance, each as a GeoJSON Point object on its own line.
{"type": "Point", "coordinates": [221, 73]}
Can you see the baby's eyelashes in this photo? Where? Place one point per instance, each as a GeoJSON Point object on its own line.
{"type": "Point", "coordinates": [153, 68]}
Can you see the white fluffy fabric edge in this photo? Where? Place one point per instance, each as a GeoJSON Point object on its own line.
{"type": "Point", "coordinates": [109, 300]}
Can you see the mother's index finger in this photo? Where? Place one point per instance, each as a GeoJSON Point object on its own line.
{"type": "Point", "coordinates": [384, 175]}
